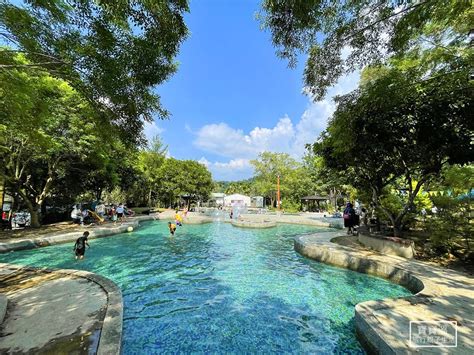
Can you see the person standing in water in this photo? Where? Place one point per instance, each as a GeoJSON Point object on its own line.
{"type": "Point", "coordinates": [80, 246]}
{"type": "Point", "coordinates": [178, 219]}
{"type": "Point", "coordinates": [172, 228]}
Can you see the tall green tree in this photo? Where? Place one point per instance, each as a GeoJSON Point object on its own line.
{"type": "Point", "coordinates": [183, 178]}
{"type": "Point", "coordinates": [47, 130]}
{"type": "Point", "coordinates": [267, 167]}
{"type": "Point", "coordinates": [340, 36]}
{"type": "Point", "coordinates": [148, 164]}
{"type": "Point", "coordinates": [113, 52]}
{"type": "Point", "coordinates": [402, 142]}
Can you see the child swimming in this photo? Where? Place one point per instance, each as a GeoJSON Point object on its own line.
{"type": "Point", "coordinates": [172, 228]}
{"type": "Point", "coordinates": [80, 246]}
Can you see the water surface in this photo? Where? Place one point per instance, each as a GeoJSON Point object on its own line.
{"type": "Point", "coordinates": [217, 288]}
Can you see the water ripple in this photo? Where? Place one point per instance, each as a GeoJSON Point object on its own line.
{"type": "Point", "coordinates": [218, 289]}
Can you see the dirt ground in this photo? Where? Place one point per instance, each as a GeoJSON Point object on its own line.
{"type": "Point", "coordinates": [43, 230]}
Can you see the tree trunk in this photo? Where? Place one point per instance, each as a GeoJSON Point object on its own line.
{"type": "Point", "coordinates": [33, 209]}
{"type": "Point", "coordinates": [397, 230]}
{"type": "Point", "coordinates": [34, 221]}
{"type": "Point", "coordinates": [98, 194]}
{"type": "Point", "coordinates": [395, 222]}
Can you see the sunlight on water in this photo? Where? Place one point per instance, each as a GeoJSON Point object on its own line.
{"type": "Point", "coordinates": [218, 288]}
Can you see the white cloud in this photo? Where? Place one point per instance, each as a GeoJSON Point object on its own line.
{"type": "Point", "coordinates": [204, 162]}
{"type": "Point", "coordinates": [315, 118]}
{"type": "Point", "coordinates": [239, 147]}
{"type": "Point", "coordinates": [223, 140]}
{"type": "Point", "coordinates": [312, 123]}
{"type": "Point", "coordinates": [235, 164]}
{"type": "Point", "coordinates": [151, 129]}
{"type": "Point", "coordinates": [231, 170]}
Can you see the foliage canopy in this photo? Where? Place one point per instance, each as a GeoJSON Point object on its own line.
{"type": "Point", "coordinates": [112, 52]}
{"type": "Point", "coordinates": [341, 36]}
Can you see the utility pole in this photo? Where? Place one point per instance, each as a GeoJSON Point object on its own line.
{"type": "Point", "coordinates": [278, 192]}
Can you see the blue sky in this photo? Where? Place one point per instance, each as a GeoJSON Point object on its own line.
{"type": "Point", "coordinates": [232, 97]}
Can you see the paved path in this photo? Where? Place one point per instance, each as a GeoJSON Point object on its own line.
{"type": "Point", "coordinates": [59, 312]}
{"type": "Point", "coordinates": [383, 326]}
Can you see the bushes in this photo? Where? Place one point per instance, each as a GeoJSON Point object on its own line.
{"type": "Point", "coordinates": [451, 228]}
{"type": "Point", "coordinates": [290, 206]}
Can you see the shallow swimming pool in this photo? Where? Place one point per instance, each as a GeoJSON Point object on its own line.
{"type": "Point", "coordinates": [217, 288]}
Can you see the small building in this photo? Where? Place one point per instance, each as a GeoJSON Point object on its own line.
{"type": "Point", "coordinates": [258, 201]}
{"type": "Point", "coordinates": [217, 198]}
{"type": "Point", "coordinates": [237, 200]}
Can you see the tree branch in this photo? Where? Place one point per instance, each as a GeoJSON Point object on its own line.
{"type": "Point", "coordinates": [382, 20]}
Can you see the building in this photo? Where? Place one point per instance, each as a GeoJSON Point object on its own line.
{"type": "Point", "coordinates": [237, 200]}
{"type": "Point", "coordinates": [258, 201]}
{"type": "Point", "coordinates": [217, 198]}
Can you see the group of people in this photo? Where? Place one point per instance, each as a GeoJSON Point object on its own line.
{"type": "Point", "coordinates": [99, 212]}
{"type": "Point", "coordinates": [82, 242]}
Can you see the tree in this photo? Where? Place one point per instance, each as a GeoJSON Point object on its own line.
{"type": "Point", "coordinates": [183, 178]}
{"type": "Point", "coordinates": [267, 167]}
{"type": "Point", "coordinates": [452, 194]}
{"type": "Point", "coordinates": [403, 142]}
{"type": "Point", "coordinates": [340, 36]}
{"type": "Point", "coordinates": [245, 187]}
{"type": "Point", "coordinates": [47, 130]}
{"type": "Point", "coordinates": [112, 52]}
{"type": "Point", "coordinates": [325, 181]}
{"type": "Point", "coordinates": [221, 186]}
{"type": "Point", "coordinates": [148, 164]}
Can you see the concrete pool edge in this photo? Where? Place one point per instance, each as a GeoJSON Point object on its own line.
{"type": "Point", "coordinates": [249, 224]}
{"type": "Point", "coordinates": [59, 238]}
{"type": "Point", "coordinates": [383, 326]}
{"type": "Point", "coordinates": [110, 339]}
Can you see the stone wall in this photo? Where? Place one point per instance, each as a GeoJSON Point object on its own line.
{"type": "Point", "coordinates": [384, 245]}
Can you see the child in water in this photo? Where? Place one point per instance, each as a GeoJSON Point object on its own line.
{"type": "Point", "coordinates": [178, 219]}
{"type": "Point", "coordinates": [80, 246]}
{"type": "Point", "coordinates": [172, 228]}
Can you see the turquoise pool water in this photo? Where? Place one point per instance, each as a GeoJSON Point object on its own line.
{"type": "Point", "coordinates": [216, 288]}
